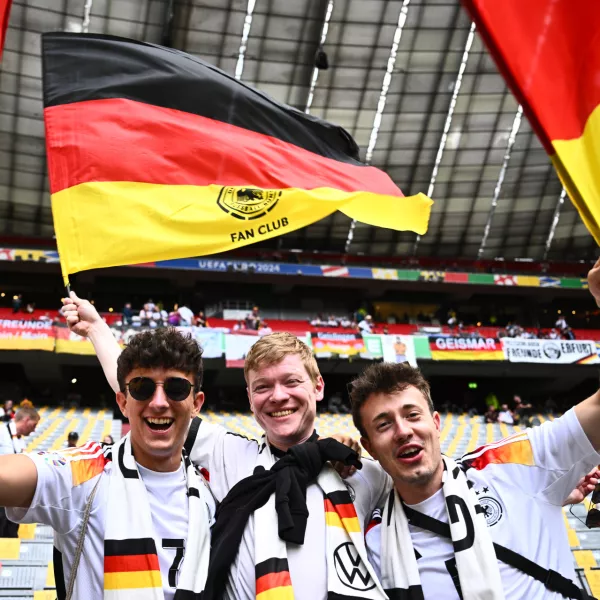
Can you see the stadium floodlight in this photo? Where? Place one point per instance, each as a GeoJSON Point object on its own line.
{"type": "Point", "coordinates": [555, 218]}
{"type": "Point", "coordinates": [448, 122]}
{"type": "Point", "coordinates": [315, 73]}
{"type": "Point", "coordinates": [385, 86]}
{"type": "Point", "coordinates": [239, 67]}
{"type": "Point", "coordinates": [509, 146]}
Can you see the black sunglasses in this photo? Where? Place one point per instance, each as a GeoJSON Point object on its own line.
{"type": "Point", "coordinates": [143, 388]}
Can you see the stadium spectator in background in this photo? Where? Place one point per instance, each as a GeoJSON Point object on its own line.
{"type": "Point", "coordinates": [366, 325]}
{"type": "Point", "coordinates": [284, 386]}
{"type": "Point", "coordinates": [201, 320]}
{"type": "Point", "coordinates": [522, 412]}
{"type": "Point", "coordinates": [108, 439]}
{"type": "Point", "coordinates": [127, 315]}
{"type": "Point", "coordinates": [452, 319]}
{"type": "Point", "coordinates": [72, 439]}
{"type": "Point", "coordinates": [174, 319]}
{"type": "Point", "coordinates": [30, 308]}
{"type": "Point", "coordinates": [491, 415]}
{"type": "Point", "coordinates": [434, 536]}
{"type": "Point", "coordinates": [561, 325]}
{"type": "Point", "coordinates": [148, 501]}
{"type": "Point", "coordinates": [7, 412]}
{"type": "Point", "coordinates": [505, 415]}
{"type": "Point", "coordinates": [264, 329]}
{"type": "Point", "coordinates": [239, 326]}
{"type": "Point", "coordinates": [17, 301]}
{"type": "Point", "coordinates": [253, 318]}
{"type": "Point", "coordinates": [187, 316]}
{"type": "Point", "coordinates": [12, 441]}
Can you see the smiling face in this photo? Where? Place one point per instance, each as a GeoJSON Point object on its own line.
{"type": "Point", "coordinates": [284, 400]}
{"type": "Point", "coordinates": [404, 436]}
{"type": "Point", "coordinates": [159, 425]}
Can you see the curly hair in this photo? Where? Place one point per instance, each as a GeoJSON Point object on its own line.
{"type": "Point", "coordinates": [165, 348]}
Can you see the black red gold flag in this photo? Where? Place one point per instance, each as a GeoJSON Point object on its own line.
{"type": "Point", "coordinates": [154, 154]}
{"type": "Point", "coordinates": [549, 54]}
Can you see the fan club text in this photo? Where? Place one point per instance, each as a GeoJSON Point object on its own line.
{"type": "Point", "coordinates": [264, 229]}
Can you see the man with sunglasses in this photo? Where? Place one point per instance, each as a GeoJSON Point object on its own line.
{"type": "Point", "coordinates": [140, 509]}
{"type": "Point", "coordinates": [284, 385]}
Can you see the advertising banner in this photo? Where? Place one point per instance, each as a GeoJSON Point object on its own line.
{"type": "Point", "coordinates": [26, 335]}
{"type": "Point", "coordinates": [339, 345]}
{"type": "Point", "coordinates": [465, 348]}
{"type": "Point", "coordinates": [558, 352]}
{"type": "Point", "coordinates": [399, 349]}
{"type": "Point", "coordinates": [68, 342]}
{"type": "Point", "coordinates": [211, 340]}
{"type": "Point", "coordinates": [237, 348]}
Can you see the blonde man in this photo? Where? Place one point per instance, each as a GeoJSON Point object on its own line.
{"type": "Point", "coordinates": [283, 385]}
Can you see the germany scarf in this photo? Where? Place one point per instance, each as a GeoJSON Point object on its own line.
{"type": "Point", "coordinates": [131, 568]}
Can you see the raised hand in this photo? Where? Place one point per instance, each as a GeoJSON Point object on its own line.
{"type": "Point", "coordinates": [81, 315]}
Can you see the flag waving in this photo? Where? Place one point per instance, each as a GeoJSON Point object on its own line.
{"type": "Point", "coordinates": [154, 154]}
{"type": "Point", "coordinates": [548, 52]}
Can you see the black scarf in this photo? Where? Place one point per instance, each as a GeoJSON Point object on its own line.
{"type": "Point", "coordinates": [288, 479]}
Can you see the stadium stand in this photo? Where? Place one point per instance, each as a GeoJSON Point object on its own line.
{"type": "Point", "coordinates": [27, 569]}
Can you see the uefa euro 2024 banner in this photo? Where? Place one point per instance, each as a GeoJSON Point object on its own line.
{"type": "Point", "coordinates": [573, 352]}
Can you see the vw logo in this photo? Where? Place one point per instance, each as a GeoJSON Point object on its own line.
{"type": "Point", "coordinates": [350, 569]}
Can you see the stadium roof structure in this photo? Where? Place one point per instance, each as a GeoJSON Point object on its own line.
{"type": "Point", "coordinates": [409, 79]}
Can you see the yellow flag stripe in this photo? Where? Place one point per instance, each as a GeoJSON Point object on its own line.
{"type": "Point", "coordinates": [333, 520]}
{"type": "Point", "coordinates": [132, 580]}
{"type": "Point", "coordinates": [578, 164]}
{"type": "Point", "coordinates": [279, 593]}
{"type": "Point", "coordinates": [162, 222]}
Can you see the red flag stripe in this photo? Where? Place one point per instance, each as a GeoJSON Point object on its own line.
{"type": "Point", "coordinates": [132, 562]}
{"type": "Point", "coordinates": [346, 511]}
{"type": "Point", "coordinates": [84, 138]}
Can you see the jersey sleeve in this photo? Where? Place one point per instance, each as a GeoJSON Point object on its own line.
{"type": "Point", "coordinates": [545, 461]}
{"type": "Point", "coordinates": [564, 454]}
{"type": "Point", "coordinates": [224, 457]}
{"type": "Point", "coordinates": [371, 485]}
{"type": "Point", "coordinates": [65, 480]}
{"type": "Point", "coordinates": [6, 446]}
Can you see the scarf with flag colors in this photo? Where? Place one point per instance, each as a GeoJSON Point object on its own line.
{"type": "Point", "coordinates": [343, 535]}
{"type": "Point", "coordinates": [548, 53]}
{"type": "Point", "coordinates": [154, 154]}
{"type": "Point", "coordinates": [131, 565]}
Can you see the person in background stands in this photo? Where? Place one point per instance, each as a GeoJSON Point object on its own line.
{"type": "Point", "coordinates": [12, 441]}
{"type": "Point", "coordinates": [127, 315]}
{"type": "Point", "coordinates": [8, 412]}
{"type": "Point", "coordinates": [72, 439]}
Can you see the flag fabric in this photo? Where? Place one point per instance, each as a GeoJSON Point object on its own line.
{"type": "Point", "coordinates": [4, 14]}
{"type": "Point", "coordinates": [549, 54]}
{"type": "Point", "coordinates": [154, 154]}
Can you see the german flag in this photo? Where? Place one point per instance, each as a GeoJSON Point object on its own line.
{"type": "Point", "coordinates": [340, 512]}
{"type": "Point", "coordinates": [154, 154]}
{"type": "Point", "coordinates": [131, 564]}
{"type": "Point", "coordinates": [549, 54]}
{"type": "Point", "coordinates": [273, 581]}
